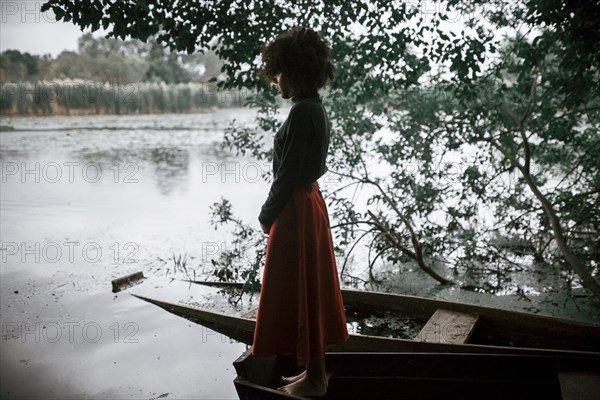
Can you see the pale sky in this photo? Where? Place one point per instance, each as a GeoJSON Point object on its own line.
{"type": "Point", "coordinates": [25, 28]}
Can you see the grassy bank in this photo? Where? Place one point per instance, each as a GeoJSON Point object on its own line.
{"type": "Point", "coordinates": [78, 97]}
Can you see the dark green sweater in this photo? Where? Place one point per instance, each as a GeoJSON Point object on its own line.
{"type": "Point", "coordinates": [299, 152]}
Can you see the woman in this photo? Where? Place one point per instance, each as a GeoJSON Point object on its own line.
{"type": "Point", "coordinates": [300, 309]}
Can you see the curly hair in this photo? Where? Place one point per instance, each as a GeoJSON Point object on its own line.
{"type": "Point", "coordinates": [302, 57]}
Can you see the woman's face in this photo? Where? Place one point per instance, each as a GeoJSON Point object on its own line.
{"type": "Point", "coordinates": [281, 87]}
{"type": "Point", "coordinates": [277, 84]}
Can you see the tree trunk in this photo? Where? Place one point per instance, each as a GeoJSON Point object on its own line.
{"type": "Point", "coordinates": [588, 280]}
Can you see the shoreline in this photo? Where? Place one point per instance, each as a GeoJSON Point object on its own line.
{"type": "Point", "coordinates": [78, 113]}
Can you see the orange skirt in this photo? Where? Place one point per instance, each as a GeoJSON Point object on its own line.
{"type": "Point", "coordinates": [300, 309]}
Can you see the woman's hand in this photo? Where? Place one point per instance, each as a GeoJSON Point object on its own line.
{"type": "Point", "coordinates": [265, 228]}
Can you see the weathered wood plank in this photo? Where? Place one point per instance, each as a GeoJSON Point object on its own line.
{"type": "Point", "coordinates": [514, 328]}
{"type": "Point", "coordinates": [242, 329]}
{"type": "Point", "coordinates": [495, 326]}
{"type": "Point", "coordinates": [447, 326]}
{"type": "Point", "coordinates": [250, 314]}
{"type": "Point", "coordinates": [580, 385]}
{"type": "Point", "coordinates": [430, 376]}
{"type": "Point", "coordinates": [127, 281]}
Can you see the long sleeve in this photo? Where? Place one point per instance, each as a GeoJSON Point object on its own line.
{"type": "Point", "coordinates": [296, 134]}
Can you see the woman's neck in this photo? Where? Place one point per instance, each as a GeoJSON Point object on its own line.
{"type": "Point", "coordinates": [301, 96]}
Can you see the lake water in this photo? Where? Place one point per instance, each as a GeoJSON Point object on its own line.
{"type": "Point", "coordinates": [87, 199]}
{"type": "Point", "coordinates": [84, 200]}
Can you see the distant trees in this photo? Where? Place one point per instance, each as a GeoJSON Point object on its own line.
{"type": "Point", "coordinates": [108, 75]}
{"type": "Point", "coordinates": [111, 60]}
{"type": "Point", "coordinates": [164, 66]}
{"type": "Point", "coordinates": [16, 66]}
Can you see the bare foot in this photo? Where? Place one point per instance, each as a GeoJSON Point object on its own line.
{"type": "Point", "coordinates": [302, 386]}
{"type": "Point", "coordinates": [306, 387]}
{"type": "Point", "coordinates": [292, 379]}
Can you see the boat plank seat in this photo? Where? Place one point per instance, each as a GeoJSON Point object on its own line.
{"type": "Point", "coordinates": [580, 385]}
{"type": "Point", "coordinates": [250, 314]}
{"type": "Point", "coordinates": [447, 326]}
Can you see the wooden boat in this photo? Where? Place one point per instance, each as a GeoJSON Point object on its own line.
{"type": "Point", "coordinates": [470, 328]}
{"type": "Point", "coordinates": [241, 328]}
{"type": "Point", "coordinates": [429, 376]}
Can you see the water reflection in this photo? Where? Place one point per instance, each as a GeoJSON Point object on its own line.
{"type": "Point", "coordinates": [171, 167]}
{"type": "Point", "coordinates": [110, 181]}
